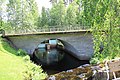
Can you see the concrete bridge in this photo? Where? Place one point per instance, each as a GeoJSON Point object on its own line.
{"type": "Point", "coordinates": [81, 41]}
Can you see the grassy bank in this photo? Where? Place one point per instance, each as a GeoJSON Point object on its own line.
{"type": "Point", "coordinates": [12, 67]}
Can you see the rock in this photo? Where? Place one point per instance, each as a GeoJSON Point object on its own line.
{"type": "Point", "coordinates": [101, 73]}
{"type": "Point", "coordinates": [103, 76]}
{"type": "Point", "coordinates": [80, 73]}
{"type": "Point", "coordinates": [51, 78]}
{"type": "Point", "coordinates": [84, 72]}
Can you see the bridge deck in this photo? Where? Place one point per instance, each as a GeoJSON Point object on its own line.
{"type": "Point", "coordinates": [46, 31]}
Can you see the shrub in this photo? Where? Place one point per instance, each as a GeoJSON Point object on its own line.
{"type": "Point", "coordinates": [94, 61]}
{"type": "Point", "coordinates": [106, 30]}
{"type": "Point", "coordinates": [33, 71]}
{"type": "Point", "coordinates": [21, 52]}
{"type": "Point", "coordinates": [26, 58]}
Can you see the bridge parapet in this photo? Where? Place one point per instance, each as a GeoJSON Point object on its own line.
{"type": "Point", "coordinates": [45, 30]}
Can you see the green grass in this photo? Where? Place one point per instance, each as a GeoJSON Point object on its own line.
{"type": "Point", "coordinates": [13, 67]}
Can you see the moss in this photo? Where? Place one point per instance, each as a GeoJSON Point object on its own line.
{"type": "Point", "coordinates": [75, 74]}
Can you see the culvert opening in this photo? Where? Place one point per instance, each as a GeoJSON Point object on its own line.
{"type": "Point", "coordinates": [54, 57]}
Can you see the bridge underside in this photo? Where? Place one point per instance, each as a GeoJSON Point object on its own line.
{"type": "Point", "coordinates": [82, 44]}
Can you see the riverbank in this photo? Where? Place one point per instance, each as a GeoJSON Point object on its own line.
{"type": "Point", "coordinates": [13, 67]}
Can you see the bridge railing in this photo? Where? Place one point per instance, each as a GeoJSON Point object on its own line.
{"type": "Point", "coordinates": [44, 30]}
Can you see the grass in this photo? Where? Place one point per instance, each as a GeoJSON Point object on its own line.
{"type": "Point", "coordinates": [12, 67]}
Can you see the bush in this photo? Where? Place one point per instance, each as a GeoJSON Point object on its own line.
{"type": "Point", "coordinates": [33, 71]}
{"type": "Point", "coordinates": [94, 61]}
{"type": "Point", "coordinates": [106, 30]}
{"type": "Point", "coordinates": [26, 58]}
{"type": "Point", "coordinates": [21, 52]}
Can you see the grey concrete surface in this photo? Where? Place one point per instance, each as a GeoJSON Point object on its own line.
{"type": "Point", "coordinates": [82, 43]}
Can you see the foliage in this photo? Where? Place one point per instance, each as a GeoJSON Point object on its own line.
{"type": "Point", "coordinates": [102, 15]}
{"type": "Point", "coordinates": [33, 71]}
{"type": "Point", "coordinates": [106, 30]}
{"type": "Point", "coordinates": [6, 45]}
{"type": "Point", "coordinates": [21, 52]}
{"type": "Point", "coordinates": [57, 14]}
{"type": "Point", "coordinates": [89, 8]}
{"type": "Point", "coordinates": [71, 15]}
{"type": "Point", "coordinates": [22, 14]}
{"type": "Point", "coordinates": [11, 66]}
{"type": "Point", "coordinates": [2, 4]}
{"type": "Point", "coordinates": [14, 67]}
{"type": "Point", "coordinates": [44, 17]}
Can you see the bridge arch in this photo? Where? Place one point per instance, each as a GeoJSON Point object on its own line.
{"type": "Point", "coordinates": [82, 42]}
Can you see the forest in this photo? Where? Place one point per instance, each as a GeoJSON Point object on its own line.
{"type": "Point", "coordinates": [24, 14]}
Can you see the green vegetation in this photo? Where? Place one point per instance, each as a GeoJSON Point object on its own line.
{"type": "Point", "coordinates": [64, 14]}
{"type": "Point", "coordinates": [102, 16]}
{"type": "Point", "coordinates": [14, 67]}
{"type": "Point", "coordinates": [24, 14]}
{"type": "Point", "coordinates": [106, 30]}
{"type": "Point", "coordinates": [11, 66]}
{"type": "Point", "coordinates": [33, 72]}
{"type": "Point", "coordinates": [21, 14]}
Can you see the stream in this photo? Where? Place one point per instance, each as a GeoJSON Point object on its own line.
{"type": "Point", "coordinates": [68, 62]}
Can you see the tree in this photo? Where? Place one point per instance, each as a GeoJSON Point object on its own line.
{"type": "Point", "coordinates": [106, 30]}
{"type": "Point", "coordinates": [32, 14]}
{"type": "Point", "coordinates": [12, 14]}
{"type": "Point", "coordinates": [57, 13]}
{"type": "Point", "coordinates": [89, 8]}
{"type": "Point", "coordinates": [22, 14]}
{"type": "Point", "coordinates": [1, 13]}
{"type": "Point", "coordinates": [44, 17]}
{"type": "Point", "coordinates": [39, 22]}
{"type": "Point", "coordinates": [71, 14]}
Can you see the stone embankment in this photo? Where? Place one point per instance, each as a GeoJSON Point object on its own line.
{"type": "Point", "coordinates": [84, 72]}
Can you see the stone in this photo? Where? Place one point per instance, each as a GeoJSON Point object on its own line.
{"type": "Point", "coordinates": [101, 73]}
{"type": "Point", "coordinates": [80, 73]}
{"type": "Point", "coordinates": [51, 78]}
{"type": "Point", "coordinates": [85, 72]}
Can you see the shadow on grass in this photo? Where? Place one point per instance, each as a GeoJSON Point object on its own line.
{"type": "Point", "coordinates": [7, 46]}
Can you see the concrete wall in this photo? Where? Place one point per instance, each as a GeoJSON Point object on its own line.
{"type": "Point", "coordinates": [82, 42]}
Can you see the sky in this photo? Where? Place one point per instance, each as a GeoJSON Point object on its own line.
{"type": "Point", "coordinates": [44, 3]}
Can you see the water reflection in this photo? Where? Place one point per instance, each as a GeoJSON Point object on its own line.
{"type": "Point", "coordinates": [49, 52]}
{"type": "Point", "coordinates": [54, 57]}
